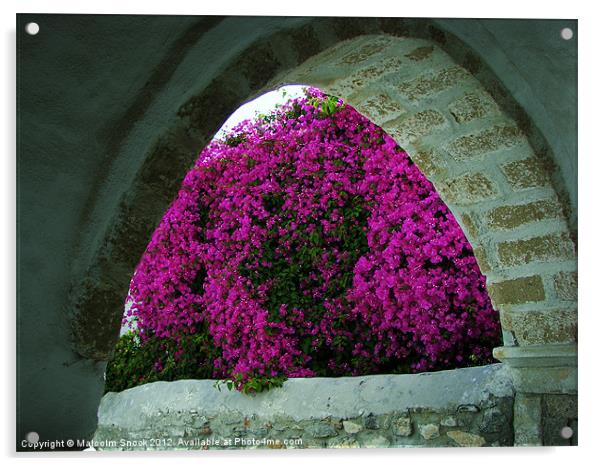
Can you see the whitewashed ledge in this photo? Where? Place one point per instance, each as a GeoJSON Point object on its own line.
{"type": "Point", "coordinates": [465, 407]}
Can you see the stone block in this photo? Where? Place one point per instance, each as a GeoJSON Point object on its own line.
{"type": "Point", "coordinates": [466, 439]}
{"type": "Point", "coordinates": [472, 106]}
{"type": "Point", "coordinates": [469, 225]}
{"type": "Point", "coordinates": [352, 427]}
{"type": "Point", "coordinates": [343, 442]}
{"type": "Point", "coordinates": [321, 430]}
{"type": "Point", "coordinates": [469, 188]}
{"type": "Point", "coordinates": [402, 426]}
{"type": "Point", "coordinates": [375, 440]}
{"type": "Point", "coordinates": [366, 51]}
{"type": "Point", "coordinates": [517, 291]}
{"type": "Point", "coordinates": [372, 72]}
{"type": "Point", "coordinates": [512, 216]}
{"type": "Point", "coordinates": [540, 327]}
{"type": "Point", "coordinates": [430, 84]}
{"type": "Point", "coordinates": [545, 248]}
{"type": "Point", "coordinates": [416, 126]}
{"type": "Point", "coordinates": [482, 259]}
{"type": "Point", "coordinates": [429, 431]}
{"type": "Point", "coordinates": [565, 284]}
{"type": "Point", "coordinates": [527, 420]}
{"type": "Point", "coordinates": [481, 143]}
{"type": "Point", "coordinates": [429, 161]}
{"type": "Point", "coordinates": [380, 108]}
{"type": "Point", "coordinates": [420, 53]}
{"type": "Point", "coordinates": [526, 173]}
{"type": "Point", "coordinates": [449, 421]}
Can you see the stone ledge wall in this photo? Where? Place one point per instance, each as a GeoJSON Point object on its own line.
{"type": "Point", "coordinates": [469, 407]}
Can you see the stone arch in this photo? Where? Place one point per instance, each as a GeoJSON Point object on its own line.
{"type": "Point", "coordinates": [459, 124]}
{"type": "Point", "coordinates": [481, 162]}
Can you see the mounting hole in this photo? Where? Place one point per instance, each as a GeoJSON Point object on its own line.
{"type": "Point", "coordinates": [566, 33]}
{"type": "Point", "coordinates": [32, 28]}
{"type": "Point", "coordinates": [566, 432]}
{"type": "Point", "coordinates": [32, 438]}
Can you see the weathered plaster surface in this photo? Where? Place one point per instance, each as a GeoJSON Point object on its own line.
{"type": "Point", "coordinates": [464, 407]}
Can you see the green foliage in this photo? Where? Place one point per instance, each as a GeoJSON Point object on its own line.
{"type": "Point", "coordinates": [234, 140]}
{"type": "Point", "coordinates": [251, 385]}
{"type": "Point", "coordinates": [328, 106]}
{"type": "Point", "coordinates": [158, 359]}
{"type": "Point", "coordinates": [295, 112]}
{"type": "Point", "coordinates": [136, 362]}
{"type": "Point", "coordinates": [288, 271]}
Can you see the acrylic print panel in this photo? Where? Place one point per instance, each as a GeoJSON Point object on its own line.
{"type": "Point", "coordinates": [272, 232]}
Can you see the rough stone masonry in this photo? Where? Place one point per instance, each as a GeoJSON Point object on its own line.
{"type": "Point", "coordinates": [470, 407]}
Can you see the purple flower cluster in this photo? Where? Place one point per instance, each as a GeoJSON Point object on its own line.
{"type": "Point", "coordinates": [310, 244]}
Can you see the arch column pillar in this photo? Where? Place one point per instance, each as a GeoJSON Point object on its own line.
{"type": "Point", "coordinates": [545, 380]}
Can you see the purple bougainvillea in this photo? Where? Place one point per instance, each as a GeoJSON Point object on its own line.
{"type": "Point", "coordinates": [308, 243]}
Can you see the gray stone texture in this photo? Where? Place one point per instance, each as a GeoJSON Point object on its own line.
{"type": "Point", "coordinates": [371, 411]}
{"type": "Point", "coordinates": [527, 420]}
{"type": "Point", "coordinates": [559, 411]}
